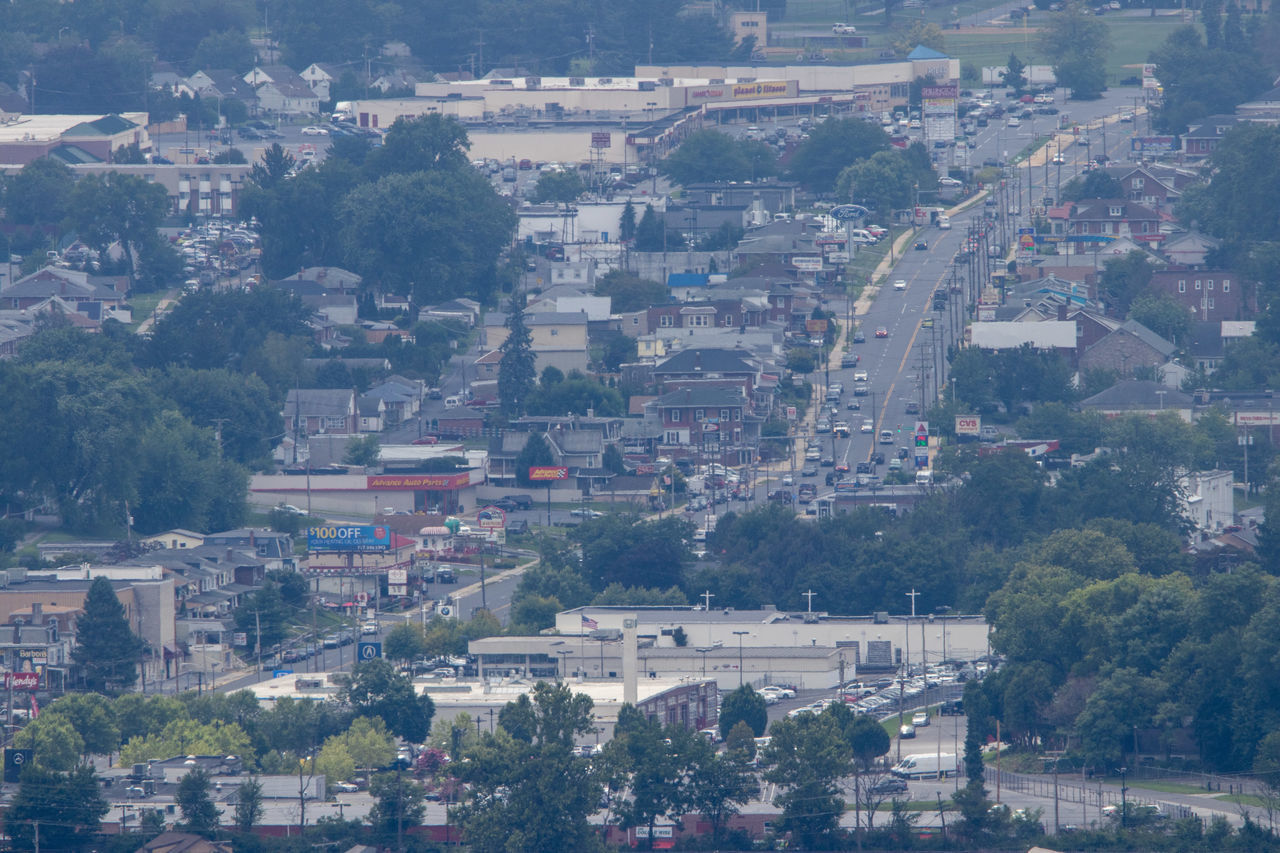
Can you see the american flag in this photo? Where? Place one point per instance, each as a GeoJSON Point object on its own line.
{"type": "Point", "coordinates": [589, 623]}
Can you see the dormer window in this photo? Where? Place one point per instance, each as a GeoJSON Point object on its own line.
{"type": "Point", "coordinates": [1116, 210]}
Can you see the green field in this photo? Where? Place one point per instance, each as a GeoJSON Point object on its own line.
{"type": "Point", "coordinates": [1132, 39]}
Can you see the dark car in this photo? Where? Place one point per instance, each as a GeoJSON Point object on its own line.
{"type": "Point", "coordinates": [877, 458]}
{"type": "Point", "coordinates": [863, 468]}
{"type": "Point", "coordinates": [890, 785]}
{"type": "Point", "coordinates": [809, 470]}
{"type": "Point", "coordinates": [859, 338]}
{"type": "Point", "coordinates": [921, 245]}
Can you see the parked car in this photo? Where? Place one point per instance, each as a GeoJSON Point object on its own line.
{"type": "Point", "coordinates": [890, 785]}
{"type": "Point", "coordinates": [315, 130]}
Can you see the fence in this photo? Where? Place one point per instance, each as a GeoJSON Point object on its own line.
{"type": "Point", "coordinates": [1086, 795]}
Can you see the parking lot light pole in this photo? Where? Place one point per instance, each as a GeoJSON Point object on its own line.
{"type": "Point", "coordinates": [740, 635]}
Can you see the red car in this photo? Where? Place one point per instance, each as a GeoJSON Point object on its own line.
{"type": "Point", "coordinates": [882, 332]}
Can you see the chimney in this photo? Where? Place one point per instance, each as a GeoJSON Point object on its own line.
{"type": "Point", "coordinates": [37, 613]}
{"type": "Point", "coordinates": [1062, 311]}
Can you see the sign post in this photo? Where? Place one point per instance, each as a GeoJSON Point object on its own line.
{"type": "Point", "coordinates": [547, 474]}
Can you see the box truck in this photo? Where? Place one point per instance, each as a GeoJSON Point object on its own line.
{"type": "Point", "coordinates": [925, 766]}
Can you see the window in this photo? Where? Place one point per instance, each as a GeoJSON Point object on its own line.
{"type": "Point", "coordinates": [335, 423]}
{"type": "Point", "coordinates": [1197, 284]}
{"type": "Point", "coordinates": [1116, 210]}
{"type": "Point", "coordinates": [728, 319]}
{"type": "Point", "coordinates": [635, 321]}
{"type": "Point", "coordinates": [1226, 285]}
{"type": "Point", "coordinates": [698, 414]}
{"type": "Point", "coordinates": [1136, 183]}
{"type": "Point", "coordinates": [673, 438]}
{"type": "Point", "coordinates": [665, 321]}
{"type": "Point", "coordinates": [1208, 284]}
{"type": "Point", "coordinates": [737, 414]}
{"type": "Point", "coordinates": [676, 415]}
{"type": "Point", "coordinates": [1182, 285]}
{"type": "Point", "coordinates": [1210, 301]}
{"type": "Point", "coordinates": [698, 320]}
{"type": "Point", "coordinates": [724, 415]}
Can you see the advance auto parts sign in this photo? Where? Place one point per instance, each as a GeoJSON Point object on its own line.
{"type": "Point", "coordinates": [349, 537]}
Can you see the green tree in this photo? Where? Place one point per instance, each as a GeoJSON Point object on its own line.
{"type": "Point", "coordinates": [57, 745]}
{"type": "Point", "coordinates": [719, 784]}
{"type": "Point", "coordinates": [40, 193]}
{"type": "Point", "coordinates": [195, 799]}
{"type": "Point", "coordinates": [709, 156]}
{"type": "Point", "coordinates": [64, 808]}
{"type": "Point", "coordinates": [629, 292]}
{"type": "Point", "coordinates": [184, 482]}
{"type": "Point", "coordinates": [335, 761]}
{"type": "Point", "coordinates": [1095, 184]}
{"type": "Point", "coordinates": [1014, 76]}
{"type": "Point", "coordinates": [91, 716]}
{"type": "Point", "coordinates": [1123, 280]}
{"type": "Point", "coordinates": [883, 182]}
{"type": "Point", "coordinates": [1200, 80]}
{"type": "Point", "coordinates": [743, 705]}
{"type": "Point", "coordinates": [248, 805]}
{"type": "Point", "coordinates": [561, 187]}
{"type": "Point", "coordinates": [406, 641]}
{"type": "Point", "coordinates": [615, 549]}
{"type": "Point", "coordinates": [377, 690]}
{"type": "Point", "coordinates": [806, 757]}
{"type": "Point", "coordinates": [226, 49]}
{"type": "Point", "coordinates": [626, 233]}
{"type": "Point", "coordinates": [547, 791]}
{"type": "Point", "coordinates": [831, 146]}
{"type": "Point", "coordinates": [364, 450]}
{"type": "Point", "coordinates": [431, 234]}
{"type": "Point", "coordinates": [369, 743]}
{"type": "Point", "coordinates": [430, 143]}
{"type": "Point", "coordinates": [107, 651]}
{"type": "Point", "coordinates": [1163, 315]}
{"type": "Point", "coordinates": [517, 369]}
{"type": "Point", "coordinates": [536, 452]}
{"type": "Point", "coordinates": [1076, 44]}
{"type": "Point", "coordinates": [651, 762]}
{"type": "Point", "coordinates": [399, 804]}
{"type": "Point", "coordinates": [274, 168]}
{"type": "Point", "coordinates": [918, 32]}
{"type": "Point", "coordinates": [650, 233]}
{"type": "Point", "coordinates": [185, 736]}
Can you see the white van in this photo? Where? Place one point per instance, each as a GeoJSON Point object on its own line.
{"type": "Point", "coordinates": [923, 766]}
{"type": "Point", "coordinates": [924, 477]}
{"type": "Point", "coordinates": [944, 222]}
{"type": "Point", "coordinates": [859, 235]}
{"type": "Point", "coordinates": [452, 402]}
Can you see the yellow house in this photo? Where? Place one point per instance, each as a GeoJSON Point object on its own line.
{"type": "Point", "coordinates": [176, 538]}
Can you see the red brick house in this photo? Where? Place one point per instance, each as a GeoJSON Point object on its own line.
{"type": "Point", "coordinates": [1211, 295]}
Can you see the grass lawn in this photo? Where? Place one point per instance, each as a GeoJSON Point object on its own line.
{"type": "Point", "coordinates": [143, 304]}
{"type": "Point", "coordinates": [1156, 785]}
{"type": "Point", "coordinates": [1243, 800]}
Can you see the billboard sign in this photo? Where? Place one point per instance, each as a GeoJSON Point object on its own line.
{"type": "Point", "coordinates": [601, 139]}
{"type": "Point", "coordinates": [807, 263]}
{"type": "Point", "coordinates": [547, 473]}
{"type": "Point", "coordinates": [968, 425]}
{"type": "Point", "coordinates": [349, 537]}
{"type": "Point", "coordinates": [414, 482]}
{"type": "Point", "coordinates": [368, 651]}
{"type": "Point", "coordinates": [848, 212]}
{"type": "Point", "coordinates": [815, 327]}
{"type": "Point", "coordinates": [1153, 144]}
{"type": "Point", "coordinates": [22, 680]}
{"type": "Point", "coordinates": [491, 518]}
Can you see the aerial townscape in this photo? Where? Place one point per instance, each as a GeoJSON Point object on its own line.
{"type": "Point", "coordinates": [586, 425]}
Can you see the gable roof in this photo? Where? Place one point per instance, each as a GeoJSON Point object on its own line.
{"type": "Point", "coordinates": [706, 361]}
{"type": "Point", "coordinates": [1148, 337]}
{"type": "Point", "coordinates": [319, 402]}
{"type": "Point", "coordinates": [1139, 394]}
{"type": "Point", "coordinates": [108, 125]}
{"type": "Point", "coordinates": [922, 52]}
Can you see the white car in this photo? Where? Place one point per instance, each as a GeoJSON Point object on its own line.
{"type": "Point", "coordinates": [314, 130]}
{"type": "Point", "coordinates": [583, 512]}
{"type": "Point", "coordinates": [780, 692]}
{"type": "Point", "coordinates": [860, 376]}
{"type": "Point", "coordinates": [920, 718]}
{"type": "Point", "coordinates": [950, 182]}
{"type": "Point", "coordinates": [900, 284]}
{"type": "Point", "coordinates": [868, 426]}
{"type": "Point", "coordinates": [843, 29]}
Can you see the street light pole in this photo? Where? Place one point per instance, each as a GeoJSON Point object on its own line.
{"type": "Point", "coordinates": [740, 635]}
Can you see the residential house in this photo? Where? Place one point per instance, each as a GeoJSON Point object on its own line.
{"type": "Point", "coordinates": [465, 311]}
{"type": "Point", "coordinates": [165, 75]}
{"type": "Point", "coordinates": [321, 76]}
{"type": "Point", "coordinates": [569, 300]}
{"type": "Point", "coordinates": [1128, 349]}
{"type": "Point", "coordinates": [15, 327]}
{"type": "Point", "coordinates": [486, 366]}
{"type": "Point", "coordinates": [220, 84]}
{"type": "Point", "coordinates": [402, 398]}
{"type": "Point", "coordinates": [373, 413]}
{"type": "Point", "coordinates": [375, 332]}
{"type": "Point", "coordinates": [713, 423]}
{"type": "Point", "coordinates": [1209, 295]}
{"type": "Point", "coordinates": [330, 279]}
{"type": "Point", "coordinates": [175, 539]}
{"type": "Point", "coordinates": [290, 98]}
{"type": "Point", "coordinates": [274, 549]}
{"type": "Point", "coordinates": [311, 411]}
{"type": "Point", "coordinates": [493, 329]}
{"type": "Point", "coordinates": [1206, 347]}
{"type": "Point", "coordinates": [1265, 107]}
{"type": "Point", "coordinates": [1201, 139]}
{"type": "Point", "coordinates": [559, 339]}
{"type": "Point", "coordinates": [1151, 185]}
{"type": "Point", "coordinates": [1207, 500]}
{"type": "Point", "coordinates": [1109, 218]}
{"type": "Point", "coordinates": [71, 286]}
{"type": "Point", "coordinates": [1140, 397]}
{"type": "Point", "coordinates": [396, 80]}
{"type": "Point", "coordinates": [1188, 248]}
{"type": "Point", "coordinates": [707, 364]}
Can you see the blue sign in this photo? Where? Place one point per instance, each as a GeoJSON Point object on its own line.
{"type": "Point", "coordinates": [368, 651]}
{"type": "Point", "coordinates": [848, 212]}
{"type": "Point", "coordinates": [278, 673]}
{"type": "Point", "coordinates": [1026, 230]}
{"type": "Point", "coordinates": [349, 537]}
